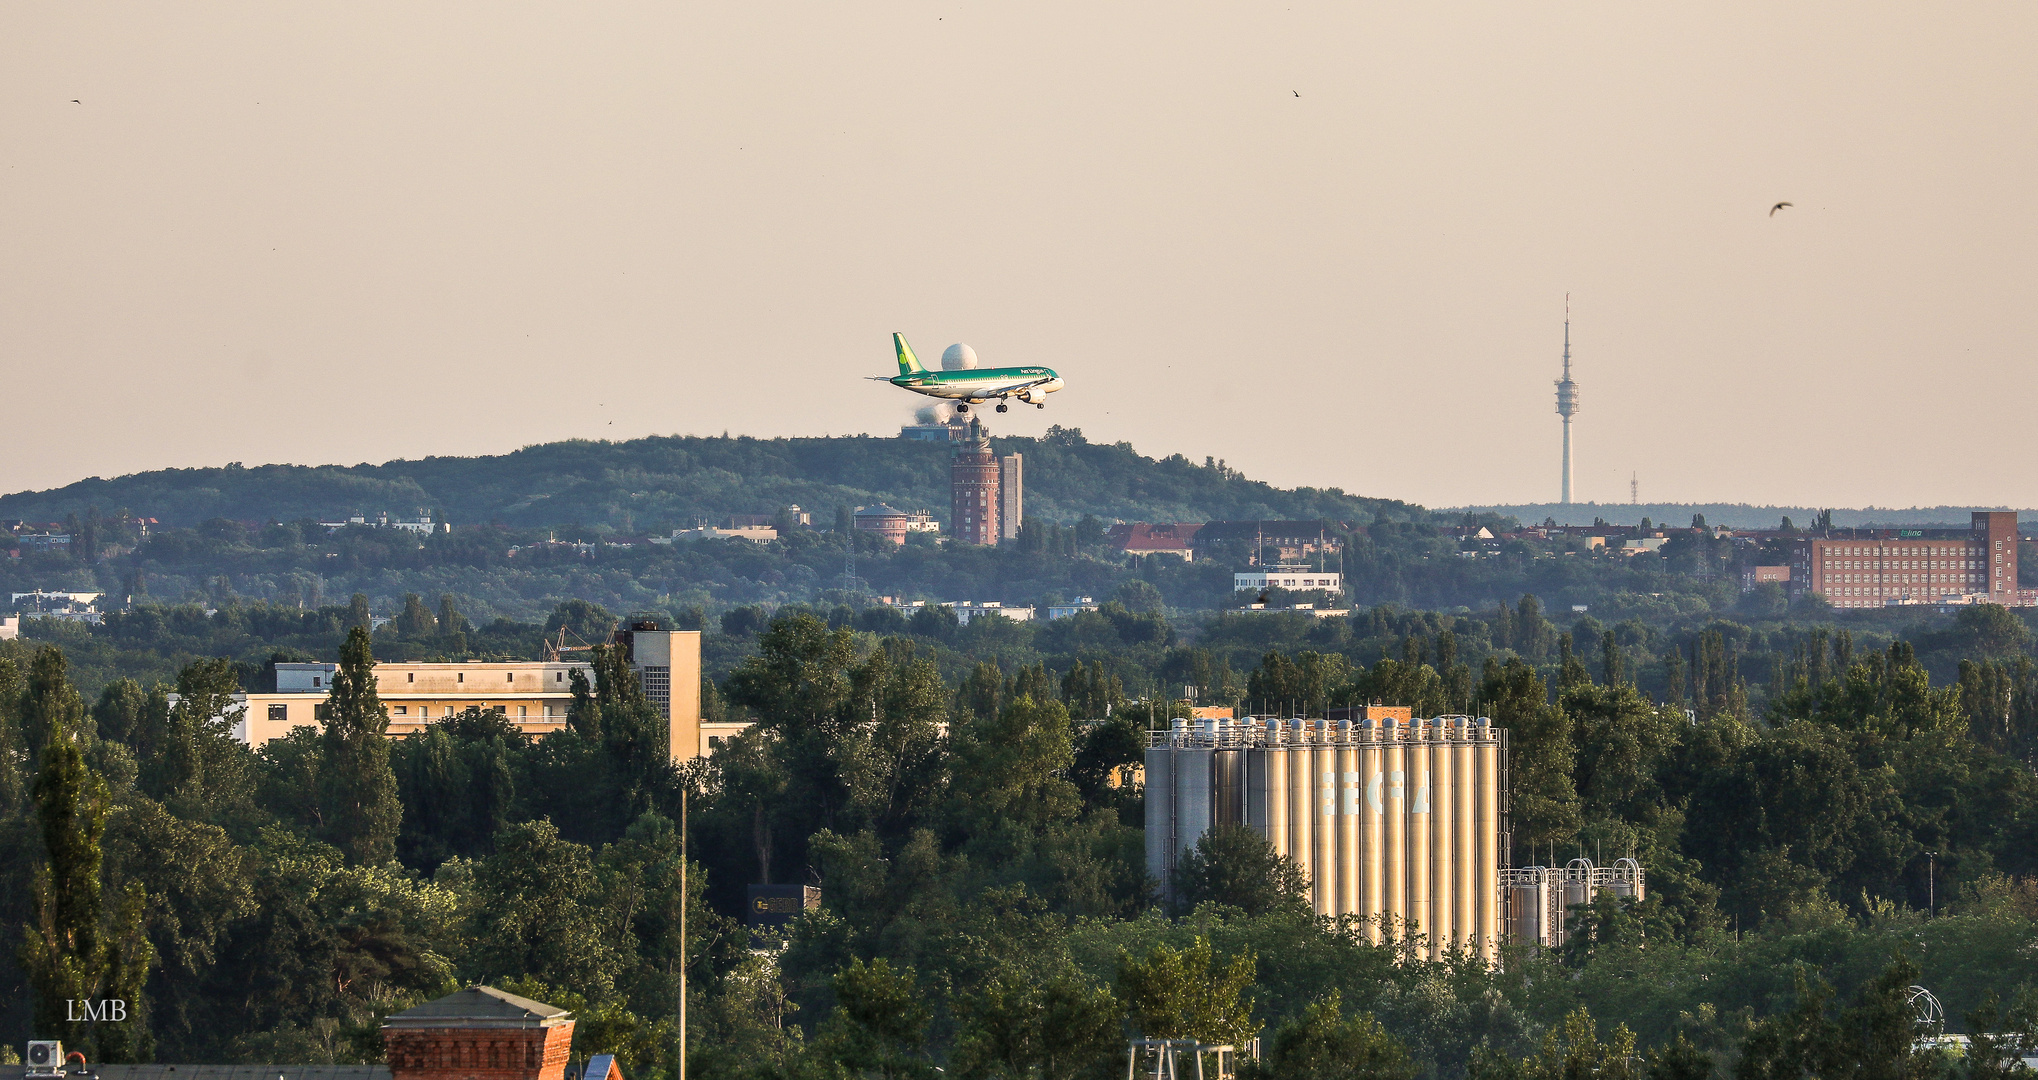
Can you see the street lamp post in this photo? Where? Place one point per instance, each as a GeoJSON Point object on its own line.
{"type": "Point", "coordinates": [1932, 882]}
{"type": "Point", "coordinates": [681, 1073]}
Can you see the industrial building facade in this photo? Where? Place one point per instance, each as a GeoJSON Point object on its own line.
{"type": "Point", "coordinates": [1400, 823]}
{"type": "Point", "coordinates": [1876, 568]}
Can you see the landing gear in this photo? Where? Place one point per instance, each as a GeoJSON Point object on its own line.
{"type": "Point", "coordinates": [1001, 406]}
{"type": "Point", "coordinates": [1040, 404]}
{"type": "Point", "coordinates": [962, 406]}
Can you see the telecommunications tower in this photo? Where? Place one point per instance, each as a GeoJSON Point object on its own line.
{"type": "Point", "coordinates": [1567, 399]}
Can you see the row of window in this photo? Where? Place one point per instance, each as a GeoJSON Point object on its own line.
{"type": "Point", "coordinates": [279, 712]}
{"type": "Point", "coordinates": [461, 677]}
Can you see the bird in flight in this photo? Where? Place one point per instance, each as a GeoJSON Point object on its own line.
{"type": "Point", "coordinates": [75, 101]}
{"type": "Point", "coordinates": [1297, 93]}
{"type": "Point", "coordinates": [1778, 206]}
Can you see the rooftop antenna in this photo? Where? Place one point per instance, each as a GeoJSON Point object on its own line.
{"type": "Point", "coordinates": [1567, 399]}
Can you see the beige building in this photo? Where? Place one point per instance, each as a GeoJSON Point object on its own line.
{"type": "Point", "coordinates": [532, 694]}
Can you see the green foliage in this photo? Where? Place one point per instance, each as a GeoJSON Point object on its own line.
{"type": "Point", "coordinates": [880, 1024]}
{"type": "Point", "coordinates": [1187, 994]}
{"type": "Point", "coordinates": [69, 954]}
{"type": "Point", "coordinates": [1324, 1044]}
{"type": "Point", "coordinates": [1570, 1051]}
{"type": "Point", "coordinates": [1235, 866]}
{"type": "Point", "coordinates": [1542, 793]}
{"type": "Point", "coordinates": [1018, 1027]}
{"type": "Point", "coordinates": [358, 811]}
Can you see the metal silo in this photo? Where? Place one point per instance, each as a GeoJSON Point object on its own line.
{"type": "Point", "coordinates": [1394, 827]}
{"type": "Point", "coordinates": [1160, 816]}
{"type": "Point", "coordinates": [1443, 840]}
{"type": "Point", "coordinates": [1418, 755]}
{"type": "Point", "coordinates": [1464, 868]}
{"type": "Point", "coordinates": [1485, 851]}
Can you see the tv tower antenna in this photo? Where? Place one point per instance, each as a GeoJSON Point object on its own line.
{"type": "Point", "coordinates": [1567, 399]}
{"type": "Point", "coordinates": [1634, 489]}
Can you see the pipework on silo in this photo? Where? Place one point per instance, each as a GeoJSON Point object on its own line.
{"type": "Point", "coordinates": [1401, 822]}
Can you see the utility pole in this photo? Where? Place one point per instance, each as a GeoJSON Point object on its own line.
{"type": "Point", "coordinates": [682, 932]}
{"type": "Point", "coordinates": [1932, 882]}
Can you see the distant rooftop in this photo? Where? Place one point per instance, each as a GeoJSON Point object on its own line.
{"type": "Point", "coordinates": [479, 1006]}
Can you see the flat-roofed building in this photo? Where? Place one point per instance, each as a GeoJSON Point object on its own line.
{"type": "Point", "coordinates": [532, 694]}
{"type": "Point", "coordinates": [1292, 578]}
{"type": "Point", "coordinates": [1877, 568]}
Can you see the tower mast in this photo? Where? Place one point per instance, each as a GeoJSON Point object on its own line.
{"type": "Point", "coordinates": [1567, 399]}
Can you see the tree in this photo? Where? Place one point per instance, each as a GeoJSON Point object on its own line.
{"type": "Point", "coordinates": [2001, 1037]}
{"type": "Point", "coordinates": [357, 612]}
{"type": "Point", "coordinates": [415, 620]}
{"type": "Point", "coordinates": [1235, 866]}
{"type": "Point", "coordinates": [1874, 1036]}
{"type": "Point", "coordinates": [1541, 792]}
{"type": "Point", "coordinates": [525, 922]}
{"type": "Point", "coordinates": [358, 809]}
{"type": "Point", "coordinates": [1571, 1050]}
{"type": "Point", "coordinates": [587, 621]}
{"type": "Point", "coordinates": [1140, 597]}
{"type": "Point", "coordinates": [1324, 1044]}
{"type": "Point", "coordinates": [196, 768]}
{"type": "Point", "coordinates": [1017, 1027]}
{"type": "Point", "coordinates": [69, 955]}
{"type": "Point", "coordinates": [880, 1022]}
{"type": "Point", "coordinates": [450, 620]}
{"type": "Point", "coordinates": [1183, 993]}
{"type": "Point", "coordinates": [50, 703]}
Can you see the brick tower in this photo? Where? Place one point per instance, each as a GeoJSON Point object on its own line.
{"type": "Point", "coordinates": [479, 1033]}
{"type": "Point", "coordinates": [974, 488]}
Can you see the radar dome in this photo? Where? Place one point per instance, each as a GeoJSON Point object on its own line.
{"type": "Point", "coordinates": [958, 357]}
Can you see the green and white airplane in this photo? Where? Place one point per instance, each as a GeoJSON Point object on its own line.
{"type": "Point", "coordinates": [972, 386]}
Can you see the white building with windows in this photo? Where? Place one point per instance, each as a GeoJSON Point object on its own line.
{"type": "Point", "coordinates": [1292, 578]}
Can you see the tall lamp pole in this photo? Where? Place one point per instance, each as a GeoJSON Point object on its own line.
{"type": "Point", "coordinates": [683, 898]}
{"type": "Point", "coordinates": [1932, 882]}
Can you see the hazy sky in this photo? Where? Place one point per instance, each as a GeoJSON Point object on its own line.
{"type": "Point", "coordinates": [351, 232]}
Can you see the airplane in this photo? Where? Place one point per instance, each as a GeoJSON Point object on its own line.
{"type": "Point", "coordinates": [972, 386]}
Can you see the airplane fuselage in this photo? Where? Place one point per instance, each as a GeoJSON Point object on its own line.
{"type": "Point", "coordinates": [1028, 384]}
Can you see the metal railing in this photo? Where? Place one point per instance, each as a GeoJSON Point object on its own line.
{"type": "Point", "coordinates": [1269, 731]}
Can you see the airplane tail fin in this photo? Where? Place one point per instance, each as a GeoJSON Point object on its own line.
{"type": "Point", "coordinates": [908, 363]}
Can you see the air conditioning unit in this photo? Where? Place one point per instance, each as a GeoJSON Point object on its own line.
{"type": "Point", "coordinates": [45, 1059]}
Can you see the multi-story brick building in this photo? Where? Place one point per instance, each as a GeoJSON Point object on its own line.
{"type": "Point", "coordinates": [1871, 568]}
{"type": "Point", "coordinates": [975, 489]}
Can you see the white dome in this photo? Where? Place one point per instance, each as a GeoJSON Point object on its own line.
{"type": "Point", "coordinates": [958, 357]}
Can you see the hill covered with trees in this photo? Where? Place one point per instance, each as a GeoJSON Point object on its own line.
{"type": "Point", "coordinates": [659, 483]}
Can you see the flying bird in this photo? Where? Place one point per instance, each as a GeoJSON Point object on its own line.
{"type": "Point", "coordinates": [1778, 206]}
{"type": "Point", "coordinates": [1297, 93]}
{"type": "Point", "coordinates": [75, 101]}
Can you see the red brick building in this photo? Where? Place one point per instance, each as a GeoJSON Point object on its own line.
{"type": "Point", "coordinates": [975, 489]}
{"type": "Point", "coordinates": [479, 1033]}
{"type": "Point", "coordinates": [1875, 568]}
{"type": "Point", "coordinates": [1141, 538]}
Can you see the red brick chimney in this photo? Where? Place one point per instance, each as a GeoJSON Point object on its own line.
{"type": "Point", "coordinates": [479, 1033]}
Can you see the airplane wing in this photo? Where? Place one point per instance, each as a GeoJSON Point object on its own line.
{"type": "Point", "coordinates": [1014, 387]}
